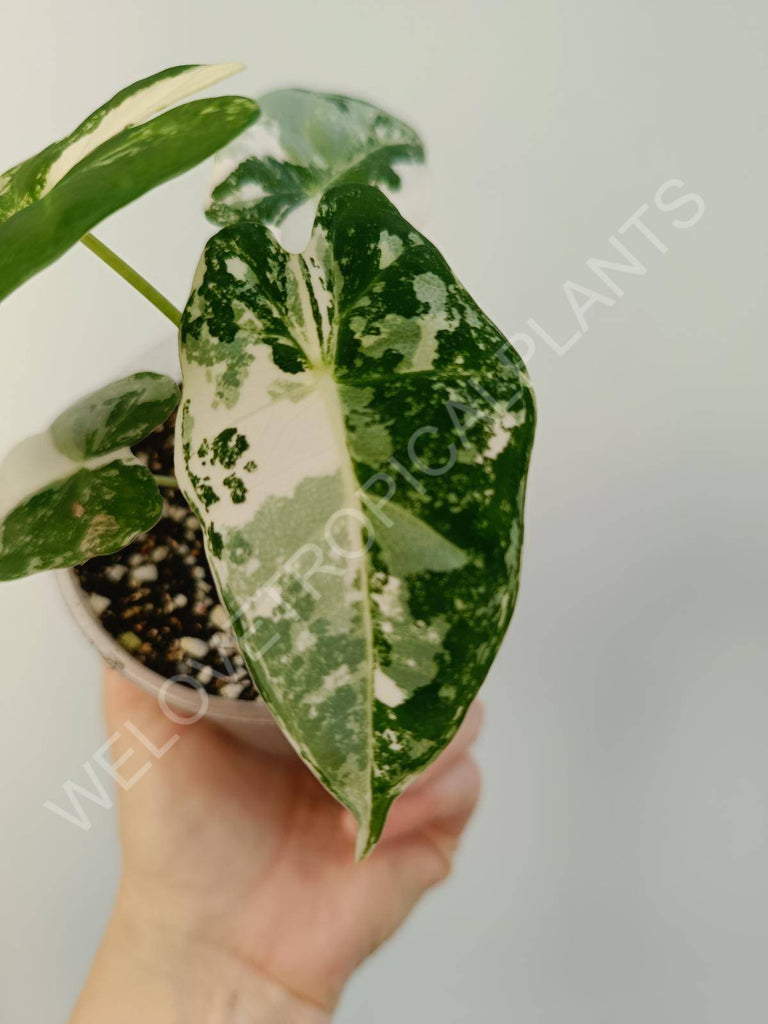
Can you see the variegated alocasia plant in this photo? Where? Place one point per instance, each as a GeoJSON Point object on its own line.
{"type": "Point", "coordinates": [357, 450]}
{"type": "Point", "coordinates": [354, 432]}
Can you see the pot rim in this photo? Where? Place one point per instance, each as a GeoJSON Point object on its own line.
{"type": "Point", "coordinates": [176, 695]}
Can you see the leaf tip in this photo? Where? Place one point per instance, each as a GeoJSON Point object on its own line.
{"type": "Point", "coordinates": [228, 69]}
{"type": "Point", "coordinates": [364, 843]}
{"type": "Point", "coordinates": [370, 825]}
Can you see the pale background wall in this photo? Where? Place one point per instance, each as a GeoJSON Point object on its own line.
{"type": "Point", "coordinates": [618, 869]}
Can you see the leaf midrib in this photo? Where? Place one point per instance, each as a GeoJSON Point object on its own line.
{"type": "Point", "coordinates": [329, 391]}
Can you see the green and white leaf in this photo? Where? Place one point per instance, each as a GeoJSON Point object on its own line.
{"type": "Point", "coordinates": [37, 176]}
{"type": "Point", "coordinates": [305, 143]}
{"type": "Point", "coordinates": [355, 436]}
{"type": "Point", "coordinates": [118, 415]}
{"type": "Point", "coordinates": [76, 490]}
{"type": "Point", "coordinates": [48, 202]}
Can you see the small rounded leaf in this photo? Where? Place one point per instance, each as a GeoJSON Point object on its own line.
{"type": "Point", "coordinates": [92, 512]}
{"type": "Point", "coordinates": [76, 490]}
{"type": "Point", "coordinates": [116, 416]}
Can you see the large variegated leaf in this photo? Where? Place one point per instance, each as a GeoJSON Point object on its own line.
{"type": "Point", "coordinates": [306, 142]}
{"type": "Point", "coordinates": [355, 435]}
{"type": "Point", "coordinates": [48, 202]}
{"type": "Point", "coordinates": [76, 490]}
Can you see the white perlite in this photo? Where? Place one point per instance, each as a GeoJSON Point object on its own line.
{"type": "Point", "coordinates": [144, 574]}
{"type": "Point", "coordinates": [99, 603]}
{"type": "Point", "coordinates": [219, 617]}
{"type": "Point", "coordinates": [231, 690]}
{"type": "Point", "coordinates": [114, 573]}
{"type": "Point", "coordinates": [194, 646]}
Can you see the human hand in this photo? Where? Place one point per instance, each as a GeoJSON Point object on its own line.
{"type": "Point", "coordinates": [240, 899]}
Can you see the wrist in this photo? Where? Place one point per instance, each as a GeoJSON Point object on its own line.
{"type": "Point", "coordinates": [150, 970]}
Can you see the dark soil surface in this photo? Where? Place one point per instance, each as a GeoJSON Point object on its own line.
{"type": "Point", "coordinates": [158, 599]}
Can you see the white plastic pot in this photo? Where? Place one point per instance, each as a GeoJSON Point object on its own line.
{"type": "Point", "coordinates": [250, 721]}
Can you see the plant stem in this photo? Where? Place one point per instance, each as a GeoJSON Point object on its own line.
{"type": "Point", "coordinates": [132, 277]}
{"type": "Point", "coordinates": [165, 481]}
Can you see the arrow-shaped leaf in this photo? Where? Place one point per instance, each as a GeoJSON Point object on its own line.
{"type": "Point", "coordinates": [306, 142]}
{"type": "Point", "coordinates": [47, 203]}
{"type": "Point", "coordinates": [355, 435]}
{"type": "Point", "coordinates": [76, 491]}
